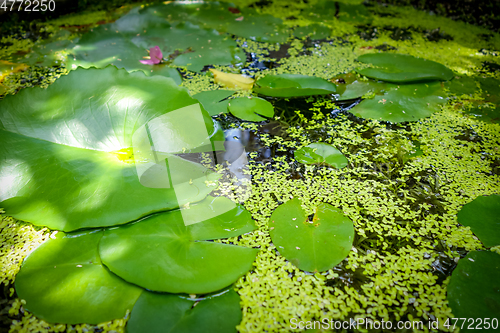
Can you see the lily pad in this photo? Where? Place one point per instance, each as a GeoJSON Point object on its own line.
{"type": "Point", "coordinates": [171, 313]}
{"type": "Point", "coordinates": [293, 85]}
{"type": "Point", "coordinates": [408, 102]}
{"type": "Point", "coordinates": [66, 158]}
{"type": "Point", "coordinates": [161, 253]}
{"type": "Point", "coordinates": [473, 291]}
{"type": "Point", "coordinates": [214, 101]}
{"type": "Point", "coordinates": [315, 245]}
{"type": "Point", "coordinates": [349, 86]}
{"type": "Point", "coordinates": [482, 216]}
{"type": "Point", "coordinates": [313, 31]}
{"type": "Point", "coordinates": [250, 108]}
{"type": "Point", "coordinates": [398, 68]}
{"type": "Point", "coordinates": [354, 13]}
{"type": "Point", "coordinates": [64, 281]}
{"type": "Point", "coordinates": [321, 153]}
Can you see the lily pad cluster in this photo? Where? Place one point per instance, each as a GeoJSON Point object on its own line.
{"type": "Point", "coordinates": [411, 92]}
{"type": "Point", "coordinates": [255, 109]}
{"type": "Point", "coordinates": [125, 42]}
{"type": "Point", "coordinates": [67, 162]}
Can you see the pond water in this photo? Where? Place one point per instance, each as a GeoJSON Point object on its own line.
{"type": "Point", "coordinates": [250, 167]}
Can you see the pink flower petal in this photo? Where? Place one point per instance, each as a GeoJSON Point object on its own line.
{"type": "Point", "coordinates": [155, 54]}
{"type": "Point", "coordinates": [147, 62]}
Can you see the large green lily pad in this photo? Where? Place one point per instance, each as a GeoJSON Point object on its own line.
{"type": "Point", "coordinates": [482, 215]}
{"type": "Point", "coordinates": [65, 152]}
{"type": "Point", "coordinates": [161, 253]}
{"type": "Point", "coordinates": [315, 245]}
{"type": "Point", "coordinates": [250, 109]}
{"type": "Point", "coordinates": [474, 289]}
{"type": "Point", "coordinates": [321, 153]}
{"type": "Point", "coordinates": [171, 313]}
{"type": "Point", "coordinates": [399, 68]}
{"type": "Point", "coordinates": [406, 102]}
{"type": "Point", "coordinates": [293, 85]}
{"type": "Point", "coordinates": [214, 101]}
{"type": "Point", "coordinates": [64, 281]}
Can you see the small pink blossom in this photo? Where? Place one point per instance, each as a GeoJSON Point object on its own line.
{"type": "Point", "coordinates": [155, 55]}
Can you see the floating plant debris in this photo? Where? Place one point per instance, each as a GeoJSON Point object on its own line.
{"type": "Point", "coordinates": [293, 85]}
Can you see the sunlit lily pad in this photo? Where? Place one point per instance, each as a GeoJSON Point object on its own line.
{"type": "Point", "coordinates": [293, 85]}
{"type": "Point", "coordinates": [161, 253]}
{"type": "Point", "coordinates": [65, 151]}
{"type": "Point", "coordinates": [398, 68]}
{"type": "Point", "coordinates": [214, 101]}
{"type": "Point", "coordinates": [172, 313]}
{"type": "Point", "coordinates": [251, 109]}
{"type": "Point", "coordinates": [315, 245]}
{"type": "Point", "coordinates": [408, 102]}
{"type": "Point", "coordinates": [473, 291]}
{"type": "Point", "coordinates": [482, 215]}
{"type": "Point", "coordinates": [321, 153]}
{"type": "Point", "coordinates": [64, 281]}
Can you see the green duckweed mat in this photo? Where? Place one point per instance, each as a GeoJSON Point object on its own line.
{"type": "Point", "coordinates": [402, 189]}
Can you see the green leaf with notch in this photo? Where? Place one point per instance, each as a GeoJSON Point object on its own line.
{"type": "Point", "coordinates": [315, 245]}
{"type": "Point", "coordinates": [251, 108]}
{"type": "Point", "coordinates": [162, 253]}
